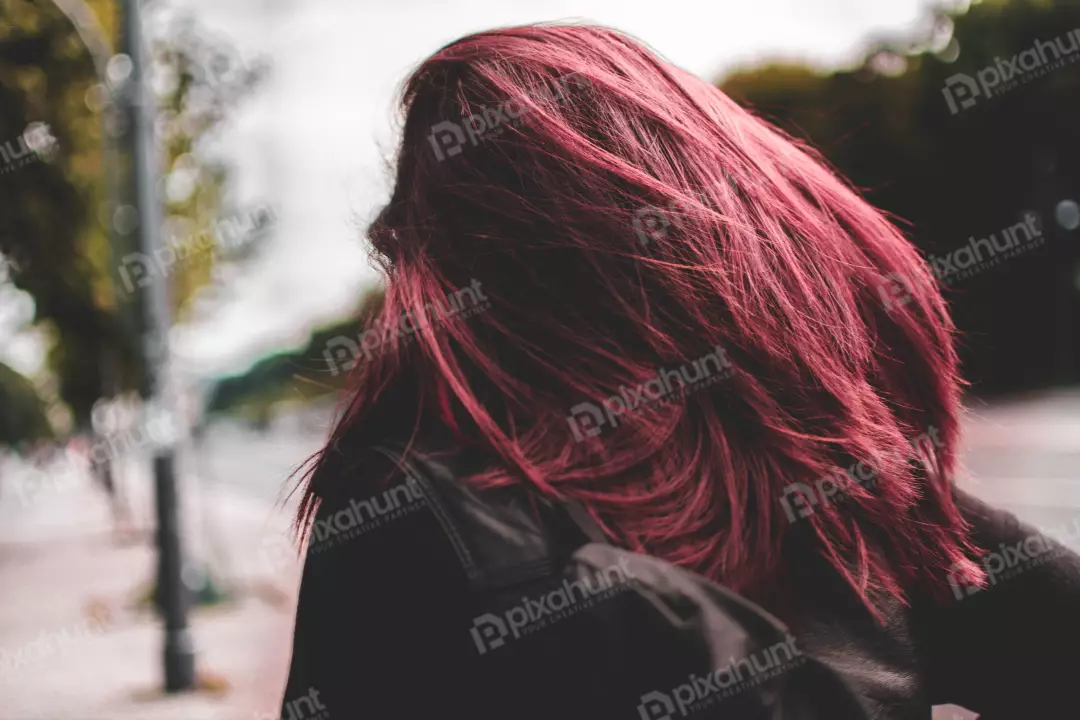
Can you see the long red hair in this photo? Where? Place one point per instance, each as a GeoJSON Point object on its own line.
{"type": "Point", "coordinates": [619, 218]}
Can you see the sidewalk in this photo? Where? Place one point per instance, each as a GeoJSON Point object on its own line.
{"type": "Point", "coordinates": [75, 645]}
{"type": "Point", "coordinates": [1023, 454]}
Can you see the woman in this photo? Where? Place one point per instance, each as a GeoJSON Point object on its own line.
{"type": "Point", "coordinates": [609, 284]}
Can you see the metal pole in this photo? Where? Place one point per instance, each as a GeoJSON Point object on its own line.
{"type": "Point", "coordinates": [153, 302]}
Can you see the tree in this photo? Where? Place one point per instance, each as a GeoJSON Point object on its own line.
{"type": "Point", "coordinates": [55, 216]}
{"type": "Point", "coordinates": [22, 412]}
{"type": "Point", "coordinates": [953, 174]}
{"type": "Point", "coordinates": [310, 372]}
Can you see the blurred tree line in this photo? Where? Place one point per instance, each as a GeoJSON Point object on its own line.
{"type": "Point", "coordinates": [296, 376]}
{"type": "Point", "coordinates": [65, 230]}
{"type": "Point", "coordinates": [23, 415]}
{"type": "Point", "coordinates": [949, 173]}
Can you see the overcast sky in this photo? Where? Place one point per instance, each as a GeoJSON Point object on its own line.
{"type": "Point", "coordinates": [314, 140]}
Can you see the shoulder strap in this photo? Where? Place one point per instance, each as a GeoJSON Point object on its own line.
{"type": "Point", "coordinates": [501, 536]}
{"type": "Point", "coordinates": [584, 522]}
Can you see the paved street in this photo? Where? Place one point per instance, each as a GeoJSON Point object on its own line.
{"type": "Point", "coordinates": [1025, 455]}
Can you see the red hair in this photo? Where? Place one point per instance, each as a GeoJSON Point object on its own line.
{"type": "Point", "coordinates": [621, 218]}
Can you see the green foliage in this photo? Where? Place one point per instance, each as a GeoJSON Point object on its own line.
{"type": "Point", "coordinates": [55, 220]}
{"type": "Point", "coordinates": [950, 177]}
{"type": "Point", "coordinates": [47, 204]}
{"type": "Point", "coordinates": [293, 376]}
{"type": "Point", "coordinates": [201, 81]}
{"type": "Point", "coordinates": [22, 413]}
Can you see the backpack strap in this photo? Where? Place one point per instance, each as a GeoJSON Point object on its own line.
{"type": "Point", "coordinates": [502, 536]}
{"type": "Point", "coordinates": [584, 522]}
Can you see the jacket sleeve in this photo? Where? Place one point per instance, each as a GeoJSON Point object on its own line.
{"type": "Point", "coordinates": [1012, 649]}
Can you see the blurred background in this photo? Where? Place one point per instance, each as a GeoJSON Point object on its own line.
{"type": "Point", "coordinates": [183, 188]}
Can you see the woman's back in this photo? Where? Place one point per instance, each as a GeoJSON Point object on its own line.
{"type": "Point", "coordinates": [385, 626]}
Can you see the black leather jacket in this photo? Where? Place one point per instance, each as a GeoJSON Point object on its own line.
{"type": "Point", "coordinates": [379, 623]}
